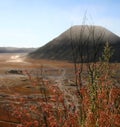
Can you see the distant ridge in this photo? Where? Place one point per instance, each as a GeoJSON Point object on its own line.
{"type": "Point", "coordinates": [60, 47]}
{"type": "Point", "coordinates": [16, 50]}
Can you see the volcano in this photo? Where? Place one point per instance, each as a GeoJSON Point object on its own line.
{"type": "Point", "coordinates": [80, 42]}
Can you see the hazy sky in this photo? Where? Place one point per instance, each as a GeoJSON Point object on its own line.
{"type": "Point", "coordinates": [33, 23]}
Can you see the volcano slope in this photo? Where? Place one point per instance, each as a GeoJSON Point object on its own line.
{"type": "Point", "coordinates": [82, 43]}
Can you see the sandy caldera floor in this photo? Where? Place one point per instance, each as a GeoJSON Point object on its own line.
{"type": "Point", "coordinates": [14, 81]}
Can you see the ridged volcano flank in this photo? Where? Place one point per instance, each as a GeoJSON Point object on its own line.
{"type": "Point", "coordinates": [60, 48]}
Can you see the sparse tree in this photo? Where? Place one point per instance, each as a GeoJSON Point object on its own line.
{"type": "Point", "coordinates": [87, 49]}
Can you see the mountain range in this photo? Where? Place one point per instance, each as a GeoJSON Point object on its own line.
{"type": "Point", "coordinates": [16, 50]}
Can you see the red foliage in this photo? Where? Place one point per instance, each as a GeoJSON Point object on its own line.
{"type": "Point", "coordinates": [96, 108]}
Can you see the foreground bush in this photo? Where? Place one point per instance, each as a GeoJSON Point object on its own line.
{"type": "Point", "coordinates": [97, 105]}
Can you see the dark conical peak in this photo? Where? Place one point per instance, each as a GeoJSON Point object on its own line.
{"type": "Point", "coordinates": [60, 47]}
{"type": "Point", "coordinates": [84, 31]}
